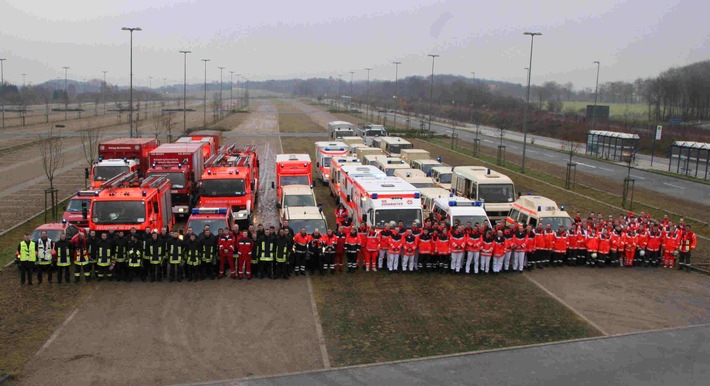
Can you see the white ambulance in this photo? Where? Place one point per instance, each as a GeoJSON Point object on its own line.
{"type": "Point", "coordinates": [334, 172]}
{"type": "Point", "coordinates": [478, 183]}
{"type": "Point", "coordinates": [459, 211]}
{"type": "Point", "coordinates": [429, 195]}
{"type": "Point", "coordinates": [533, 210]}
{"type": "Point", "coordinates": [325, 151]}
{"type": "Point", "coordinates": [337, 129]}
{"type": "Point", "coordinates": [380, 201]}
{"type": "Point", "coordinates": [348, 173]}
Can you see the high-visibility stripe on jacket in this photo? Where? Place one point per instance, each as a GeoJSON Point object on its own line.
{"type": "Point", "coordinates": [44, 251]}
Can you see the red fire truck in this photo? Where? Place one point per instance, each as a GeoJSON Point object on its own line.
{"type": "Point", "coordinates": [231, 180]}
{"type": "Point", "coordinates": [292, 169]}
{"type": "Point", "coordinates": [119, 156]}
{"type": "Point", "coordinates": [183, 164]}
{"type": "Point", "coordinates": [215, 218]}
{"type": "Point", "coordinates": [209, 147]}
{"type": "Point", "coordinates": [216, 134]}
{"type": "Point", "coordinates": [125, 202]}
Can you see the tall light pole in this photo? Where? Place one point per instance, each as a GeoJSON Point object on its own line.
{"type": "Point", "coordinates": [596, 93]}
{"type": "Point", "coordinates": [231, 90]}
{"type": "Point", "coordinates": [239, 91]}
{"type": "Point", "coordinates": [2, 88]}
{"type": "Point", "coordinates": [220, 90]}
{"type": "Point", "coordinates": [396, 92]}
{"type": "Point", "coordinates": [130, 92]}
{"type": "Point", "coordinates": [204, 108]}
{"type": "Point", "coordinates": [150, 88]}
{"type": "Point", "coordinates": [184, 93]}
{"type": "Point", "coordinates": [66, 93]}
{"type": "Point", "coordinates": [431, 90]}
{"type": "Point", "coordinates": [103, 92]}
{"type": "Point", "coordinates": [23, 80]}
{"type": "Point", "coordinates": [340, 83]}
{"type": "Point", "coordinates": [527, 98]}
{"type": "Point", "coordinates": [368, 92]}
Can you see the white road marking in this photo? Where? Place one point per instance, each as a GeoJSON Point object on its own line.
{"type": "Point", "coordinates": [674, 186]}
{"type": "Point", "coordinates": [609, 170]}
{"type": "Point", "coordinates": [640, 178]}
{"type": "Point", "coordinates": [589, 166]}
{"type": "Point", "coordinates": [487, 140]}
{"type": "Point", "coordinates": [549, 155]}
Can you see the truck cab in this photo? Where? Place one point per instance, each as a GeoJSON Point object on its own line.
{"type": "Point", "coordinates": [214, 217]}
{"type": "Point", "coordinates": [119, 156]}
{"type": "Point", "coordinates": [369, 132]}
{"type": "Point", "coordinates": [78, 209]}
{"type": "Point", "coordinates": [292, 169]}
{"type": "Point", "coordinates": [441, 175]}
{"type": "Point", "coordinates": [338, 129]}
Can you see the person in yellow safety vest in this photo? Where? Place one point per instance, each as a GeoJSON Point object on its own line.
{"type": "Point", "coordinates": [63, 250]}
{"type": "Point", "coordinates": [80, 249]}
{"type": "Point", "coordinates": [103, 257]}
{"type": "Point", "coordinates": [174, 250]}
{"type": "Point", "coordinates": [266, 250]}
{"type": "Point", "coordinates": [134, 250]}
{"type": "Point", "coordinates": [154, 250]}
{"type": "Point", "coordinates": [27, 258]}
{"type": "Point", "coordinates": [44, 247]}
{"type": "Point", "coordinates": [193, 257]}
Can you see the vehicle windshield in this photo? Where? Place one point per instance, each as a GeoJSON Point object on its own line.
{"type": "Point", "coordinates": [343, 133]}
{"type": "Point", "coordinates": [462, 220]}
{"type": "Point", "coordinates": [556, 222]}
{"type": "Point", "coordinates": [177, 180]}
{"type": "Point", "coordinates": [397, 147]}
{"type": "Point", "coordinates": [52, 234]}
{"type": "Point", "coordinates": [75, 205]}
{"type": "Point", "coordinates": [375, 133]}
{"type": "Point", "coordinates": [103, 173]}
{"type": "Point", "coordinates": [299, 200]}
{"type": "Point", "coordinates": [426, 168]}
{"type": "Point", "coordinates": [118, 212]}
{"type": "Point", "coordinates": [294, 180]}
{"type": "Point", "coordinates": [445, 178]}
{"type": "Point", "coordinates": [310, 225]}
{"type": "Point", "coordinates": [326, 162]}
{"type": "Point", "coordinates": [423, 184]}
{"type": "Point", "coordinates": [198, 225]}
{"type": "Point", "coordinates": [222, 188]}
{"type": "Point", "coordinates": [408, 216]}
{"type": "Point", "coordinates": [496, 193]}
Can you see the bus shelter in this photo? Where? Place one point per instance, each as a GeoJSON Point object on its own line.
{"type": "Point", "coordinates": [690, 159]}
{"type": "Point", "coordinates": [612, 145]}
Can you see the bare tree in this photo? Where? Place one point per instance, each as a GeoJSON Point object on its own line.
{"type": "Point", "coordinates": [50, 147]}
{"type": "Point", "coordinates": [168, 122]}
{"type": "Point", "coordinates": [571, 148]}
{"type": "Point", "coordinates": [90, 144]}
{"type": "Point", "coordinates": [157, 126]}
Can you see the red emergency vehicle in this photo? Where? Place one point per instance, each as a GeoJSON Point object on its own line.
{"type": "Point", "coordinates": [292, 169]}
{"type": "Point", "coordinates": [215, 218]}
{"type": "Point", "coordinates": [183, 164]}
{"type": "Point", "coordinates": [121, 155]}
{"type": "Point", "coordinates": [231, 180]}
{"type": "Point", "coordinates": [216, 134]}
{"type": "Point", "coordinates": [209, 147]}
{"type": "Point", "coordinates": [125, 202]}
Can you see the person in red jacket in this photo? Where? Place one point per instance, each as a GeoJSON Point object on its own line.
{"type": "Point", "coordinates": [629, 241]}
{"type": "Point", "coordinates": [641, 242]}
{"type": "Point", "coordinates": [426, 248]}
{"type": "Point", "coordinates": [372, 249]}
{"type": "Point", "coordinates": [539, 243]}
{"type": "Point", "coordinates": [384, 242]}
{"type": "Point", "coordinates": [473, 249]}
{"type": "Point", "coordinates": [458, 248]}
{"type": "Point", "coordinates": [498, 251]}
{"type": "Point", "coordinates": [329, 243]}
{"type": "Point", "coordinates": [653, 245]}
{"type": "Point", "coordinates": [362, 233]}
{"type": "Point", "coordinates": [395, 248]}
{"type": "Point", "coordinates": [603, 248]}
{"type": "Point", "coordinates": [301, 242]}
{"type": "Point", "coordinates": [518, 245]}
{"type": "Point", "coordinates": [572, 242]}
{"type": "Point", "coordinates": [548, 237]}
{"type": "Point", "coordinates": [559, 247]}
{"type": "Point", "coordinates": [340, 214]}
{"type": "Point", "coordinates": [226, 245]}
{"type": "Point", "coordinates": [245, 247]}
{"type": "Point", "coordinates": [615, 246]}
{"type": "Point", "coordinates": [80, 249]}
{"type": "Point", "coordinates": [486, 250]}
{"type": "Point", "coordinates": [582, 244]}
{"type": "Point", "coordinates": [339, 248]}
{"type": "Point", "coordinates": [409, 249]}
{"type": "Point", "coordinates": [687, 245]}
{"type": "Point", "coordinates": [443, 250]}
{"type": "Point", "coordinates": [671, 244]}
{"type": "Point", "coordinates": [352, 250]}
{"type": "Point", "coordinates": [592, 248]}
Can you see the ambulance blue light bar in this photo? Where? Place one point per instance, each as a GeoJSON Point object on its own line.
{"type": "Point", "coordinates": [209, 210]}
{"type": "Point", "coordinates": [416, 195]}
{"type": "Point", "coordinates": [465, 203]}
{"type": "Point", "coordinates": [374, 196]}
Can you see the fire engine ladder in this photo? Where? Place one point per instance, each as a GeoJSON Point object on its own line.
{"type": "Point", "coordinates": [154, 181]}
{"type": "Point", "coordinates": [119, 180]}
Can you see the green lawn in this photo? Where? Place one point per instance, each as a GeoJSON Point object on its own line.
{"type": "Point", "coordinates": [618, 109]}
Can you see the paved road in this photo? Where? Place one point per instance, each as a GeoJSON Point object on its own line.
{"type": "Point", "coordinates": [670, 357]}
{"type": "Point", "coordinates": [691, 191]}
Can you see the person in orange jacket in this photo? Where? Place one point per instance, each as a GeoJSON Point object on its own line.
{"type": "Point", "coordinates": [372, 249]}
{"type": "Point", "coordinates": [443, 250]}
{"type": "Point", "coordinates": [615, 247]}
{"type": "Point", "coordinates": [687, 245]}
{"type": "Point", "coordinates": [352, 249]}
{"type": "Point", "coordinates": [641, 242]}
{"type": "Point", "coordinates": [530, 248]}
{"type": "Point", "coordinates": [340, 214]}
{"type": "Point", "coordinates": [572, 234]}
{"type": "Point", "coordinates": [518, 245]}
{"type": "Point", "coordinates": [395, 248]}
{"type": "Point", "coordinates": [539, 243]}
{"type": "Point", "coordinates": [458, 248]}
{"type": "Point", "coordinates": [604, 248]}
{"type": "Point", "coordinates": [409, 249]}
{"type": "Point", "coordinates": [473, 249]}
{"type": "Point", "coordinates": [384, 242]}
{"type": "Point", "coordinates": [300, 248]}
{"type": "Point", "coordinates": [486, 251]}
{"type": "Point", "coordinates": [653, 245]}
{"type": "Point", "coordinates": [592, 245]}
{"type": "Point", "coordinates": [339, 248]}
{"type": "Point", "coordinates": [629, 242]}
{"type": "Point", "coordinates": [559, 247]}
{"type": "Point", "coordinates": [499, 246]}
{"type": "Point", "coordinates": [362, 233]}
{"type": "Point", "coordinates": [548, 237]}
{"type": "Point", "coordinates": [330, 242]}
{"type": "Point", "coordinates": [671, 244]}
{"type": "Point", "coordinates": [426, 248]}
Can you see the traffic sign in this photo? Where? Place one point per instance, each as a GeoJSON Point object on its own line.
{"type": "Point", "coordinates": [659, 129]}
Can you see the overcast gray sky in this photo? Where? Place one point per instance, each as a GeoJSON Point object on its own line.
{"type": "Point", "coordinates": [268, 39]}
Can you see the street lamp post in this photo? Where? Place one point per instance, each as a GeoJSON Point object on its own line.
{"type": "Point", "coordinates": [527, 98]}
{"type": "Point", "coordinates": [184, 93]}
{"type": "Point", "coordinates": [66, 93]}
{"type": "Point", "coordinates": [596, 93]}
{"type": "Point", "coordinates": [130, 92]}
{"type": "Point", "coordinates": [2, 88]}
{"type": "Point", "coordinates": [231, 90]}
{"type": "Point", "coordinates": [396, 92]}
{"type": "Point", "coordinates": [340, 94]}
{"type": "Point", "coordinates": [204, 99]}
{"type": "Point", "coordinates": [431, 91]}
{"type": "Point", "coordinates": [103, 92]}
{"type": "Point", "coordinates": [220, 90]}
{"type": "Point", "coordinates": [239, 91]}
{"type": "Point", "coordinates": [368, 93]}
{"type": "Point", "coordinates": [150, 89]}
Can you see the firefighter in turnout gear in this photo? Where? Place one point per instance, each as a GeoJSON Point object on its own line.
{"type": "Point", "coordinates": [155, 250]}
{"type": "Point", "coordinates": [283, 248]}
{"type": "Point", "coordinates": [209, 254]}
{"type": "Point", "coordinates": [120, 269]}
{"type": "Point", "coordinates": [27, 257]}
{"type": "Point", "coordinates": [44, 247]}
{"type": "Point", "coordinates": [63, 249]}
{"type": "Point", "coordinates": [103, 257]}
{"type": "Point", "coordinates": [193, 258]}
{"type": "Point", "coordinates": [352, 249]}
{"type": "Point", "coordinates": [80, 248]}
{"type": "Point", "coordinates": [175, 255]}
{"type": "Point", "coordinates": [134, 254]}
{"type": "Point", "coordinates": [300, 245]}
{"type": "Point", "coordinates": [314, 249]}
{"type": "Point", "coordinates": [266, 251]}
{"type": "Point", "coordinates": [245, 249]}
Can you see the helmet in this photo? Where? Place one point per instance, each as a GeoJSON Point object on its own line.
{"type": "Point", "coordinates": [642, 253]}
{"type": "Point", "coordinates": [594, 255]}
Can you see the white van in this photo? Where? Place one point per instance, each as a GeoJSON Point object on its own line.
{"type": "Point", "coordinates": [459, 211]}
{"type": "Point", "coordinates": [533, 210]}
{"type": "Point", "coordinates": [426, 165]}
{"type": "Point", "coordinates": [415, 177]}
{"type": "Point", "coordinates": [442, 176]}
{"type": "Point", "coordinates": [410, 155]}
{"type": "Point", "coordinates": [338, 129]}
{"type": "Point", "coordinates": [369, 132]}
{"type": "Point", "coordinates": [429, 195]}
